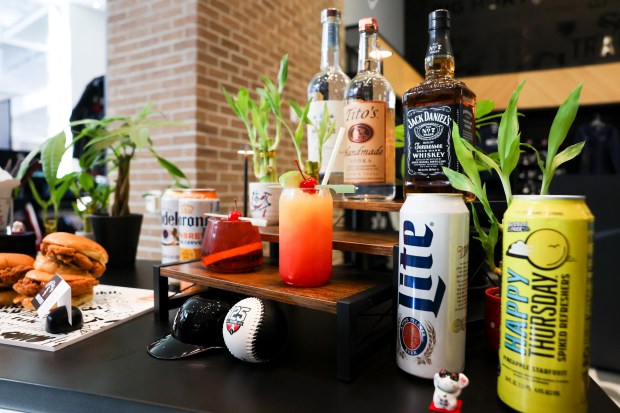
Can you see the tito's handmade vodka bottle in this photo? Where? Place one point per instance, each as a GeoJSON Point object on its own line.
{"type": "Point", "coordinates": [327, 89]}
{"type": "Point", "coordinates": [369, 121]}
{"type": "Point", "coordinates": [429, 110]}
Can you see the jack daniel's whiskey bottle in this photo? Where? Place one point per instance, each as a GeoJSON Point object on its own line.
{"type": "Point", "coordinates": [429, 110]}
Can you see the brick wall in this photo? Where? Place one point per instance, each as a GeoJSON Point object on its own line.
{"type": "Point", "coordinates": [179, 53]}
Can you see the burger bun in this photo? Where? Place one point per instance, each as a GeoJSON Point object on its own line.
{"type": "Point", "coordinates": [83, 245]}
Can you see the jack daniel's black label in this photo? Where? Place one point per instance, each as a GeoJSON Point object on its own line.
{"type": "Point", "coordinates": [428, 138]}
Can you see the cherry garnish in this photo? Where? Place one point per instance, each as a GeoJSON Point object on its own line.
{"type": "Point", "coordinates": [234, 215]}
{"type": "Point", "coordinates": [307, 183]}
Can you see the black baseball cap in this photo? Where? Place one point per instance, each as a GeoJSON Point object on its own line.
{"type": "Point", "coordinates": [197, 328]}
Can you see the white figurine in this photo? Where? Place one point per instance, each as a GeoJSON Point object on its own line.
{"type": "Point", "coordinates": [447, 390]}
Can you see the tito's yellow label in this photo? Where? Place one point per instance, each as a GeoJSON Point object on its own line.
{"type": "Point", "coordinates": [546, 295]}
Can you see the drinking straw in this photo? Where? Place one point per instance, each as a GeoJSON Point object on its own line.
{"type": "Point", "coordinates": [258, 222]}
{"type": "Point", "coordinates": [332, 158]}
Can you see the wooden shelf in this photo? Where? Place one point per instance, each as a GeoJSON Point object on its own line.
{"type": "Point", "coordinates": [376, 243]}
{"type": "Point", "coordinates": [266, 283]}
{"type": "Point", "coordinates": [382, 206]}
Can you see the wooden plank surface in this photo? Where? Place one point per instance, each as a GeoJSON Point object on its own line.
{"type": "Point", "coordinates": [266, 283]}
{"type": "Point", "coordinates": [376, 243]}
{"type": "Point", "coordinates": [382, 206]}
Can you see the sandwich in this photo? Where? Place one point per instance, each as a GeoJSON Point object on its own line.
{"type": "Point", "coordinates": [13, 267]}
{"type": "Point", "coordinates": [34, 281]}
{"type": "Point", "coordinates": [65, 253]}
{"type": "Point", "coordinates": [78, 260]}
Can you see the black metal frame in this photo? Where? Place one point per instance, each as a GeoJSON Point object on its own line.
{"type": "Point", "coordinates": [352, 346]}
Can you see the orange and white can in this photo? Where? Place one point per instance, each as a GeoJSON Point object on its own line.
{"type": "Point", "coordinates": [192, 221]}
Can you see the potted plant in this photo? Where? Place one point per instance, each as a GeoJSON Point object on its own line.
{"type": "Point", "coordinates": [114, 142]}
{"type": "Point", "coordinates": [263, 123]}
{"type": "Point", "coordinates": [51, 152]}
{"type": "Point", "coordinates": [503, 164]}
{"type": "Point", "coordinates": [95, 201]}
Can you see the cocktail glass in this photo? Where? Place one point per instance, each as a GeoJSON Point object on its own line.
{"type": "Point", "coordinates": [231, 246]}
{"type": "Point", "coordinates": [305, 236]}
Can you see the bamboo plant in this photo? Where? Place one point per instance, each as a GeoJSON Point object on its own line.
{"type": "Point", "coordinates": [506, 159]}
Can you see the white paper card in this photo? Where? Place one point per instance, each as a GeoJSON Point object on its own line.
{"type": "Point", "coordinates": [56, 291]}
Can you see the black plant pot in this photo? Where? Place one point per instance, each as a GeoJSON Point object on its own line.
{"type": "Point", "coordinates": [119, 236]}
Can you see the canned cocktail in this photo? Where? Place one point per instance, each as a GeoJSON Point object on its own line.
{"type": "Point", "coordinates": [432, 284]}
{"type": "Point", "coordinates": [305, 236]}
{"type": "Point", "coordinates": [546, 294]}
{"type": "Point", "coordinates": [169, 225]}
{"type": "Point", "coordinates": [193, 205]}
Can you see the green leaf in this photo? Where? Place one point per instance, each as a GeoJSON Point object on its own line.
{"type": "Point", "coordinates": [484, 107]}
{"type": "Point", "coordinates": [35, 194]}
{"type": "Point", "coordinates": [146, 111]}
{"type": "Point", "coordinates": [283, 73]}
{"type": "Point", "coordinates": [25, 165]}
{"type": "Point", "coordinates": [399, 136]}
{"type": "Point", "coordinates": [566, 155]}
{"type": "Point", "coordinates": [172, 169]}
{"type": "Point", "coordinates": [142, 137]}
{"type": "Point", "coordinates": [86, 181]}
{"type": "Point", "coordinates": [561, 124]}
{"type": "Point", "coordinates": [59, 192]}
{"type": "Point", "coordinates": [539, 160]}
{"type": "Point", "coordinates": [459, 181]}
{"type": "Point", "coordinates": [465, 156]}
{"type": "Point", "coordinates": [51, 155]}
{"type": "Point", "coordinates": [231, 103]}
{"type": "Point", "coordinates": [508, 135]}
{"type": "Point", "coordinates": [298, 110]}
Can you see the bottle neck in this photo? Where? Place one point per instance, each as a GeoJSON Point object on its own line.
{"type": "Point", "coordinates": [439, 61]}
{"type": "Point", "coordinates": [369, 59]}
{"type": "Point", "coordinates": [330, 45]}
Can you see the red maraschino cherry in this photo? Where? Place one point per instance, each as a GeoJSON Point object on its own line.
{"type": "Point", "coordinates": [234, 215]}
{"type": "Point", "coordinates": [307, 183]}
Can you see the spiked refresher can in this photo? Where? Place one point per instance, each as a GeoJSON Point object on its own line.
{"type": "Point", "coordinates": [546, 296]}
{"type": "Point", "coordinates": [432, 284]}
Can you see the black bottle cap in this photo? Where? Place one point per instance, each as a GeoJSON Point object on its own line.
{"type": "Point", "coordinates": [439, 19]}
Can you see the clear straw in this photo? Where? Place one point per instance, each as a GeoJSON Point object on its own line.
{"type": "Point", "coordinates": [332, 158]}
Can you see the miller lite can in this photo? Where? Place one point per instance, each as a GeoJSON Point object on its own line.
{"type": "Point", "coordinates": [432, 284]}
{"type": "Point", "coordinates": [546, 304]}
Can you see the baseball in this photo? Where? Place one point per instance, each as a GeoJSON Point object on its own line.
{"type": "Point", "coordinates": [255, 330]}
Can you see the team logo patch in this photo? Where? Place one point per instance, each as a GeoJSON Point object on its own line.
{"type": "Point", "coordinates": [238, 314]}
{"type": "Point", "coordinates": [413, 336]}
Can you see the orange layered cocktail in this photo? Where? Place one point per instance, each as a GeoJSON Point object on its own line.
{"type": "Point", "coordinates": [306, 236]}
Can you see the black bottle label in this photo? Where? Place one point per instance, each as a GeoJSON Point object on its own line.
{"type": "Point", "coordinates": [428, 138]}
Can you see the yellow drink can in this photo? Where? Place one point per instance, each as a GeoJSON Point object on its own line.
{"type": "Point", "coordinates": [546, 304]}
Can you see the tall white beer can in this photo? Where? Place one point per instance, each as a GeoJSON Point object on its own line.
{"type": "Point", "coordinates": [432, 284]}
{"type": "Point", "coordinates": [169, 207]}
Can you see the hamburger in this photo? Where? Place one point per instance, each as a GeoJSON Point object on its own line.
{"type": "Point", "coordinates": [13, 267]}
{"type": "Point", "coordinates": [78, 260]}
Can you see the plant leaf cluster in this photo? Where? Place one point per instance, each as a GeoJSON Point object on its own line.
{"type": "Point", "coordinates": [51, 152]}
{"type": "Point", "coordinates": [506, 159]}
{"type": "Point", "coordinates": [257, 118]}
{"type": "Point", "coordinates": [114, 141]}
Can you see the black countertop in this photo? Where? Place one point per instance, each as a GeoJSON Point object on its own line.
{"type": "Point", "coordinates": [112, 372]}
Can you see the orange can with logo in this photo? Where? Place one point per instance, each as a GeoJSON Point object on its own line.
{"type": "Point", "coordinates": [192, 221]}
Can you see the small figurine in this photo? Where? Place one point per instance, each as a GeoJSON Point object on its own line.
{"type": "Point", "coordinates": [447, 389]}
{"type": "Point", "coordinates": [18, 227]}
